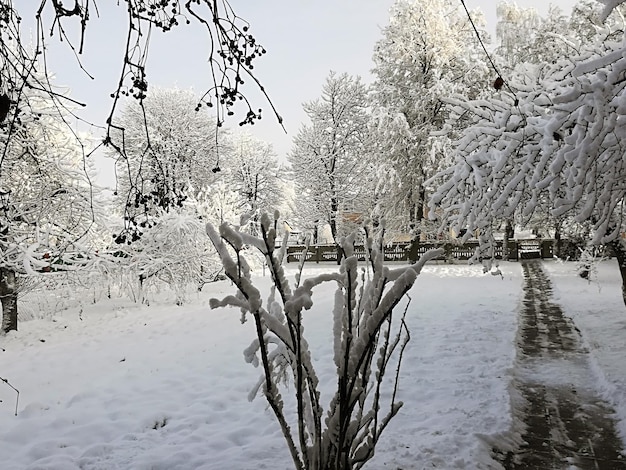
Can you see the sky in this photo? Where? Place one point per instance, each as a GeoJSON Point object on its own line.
{"type": "Point", "coordinates": [304, 39]}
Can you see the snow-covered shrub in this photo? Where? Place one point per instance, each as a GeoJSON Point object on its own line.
{"type": "Point", "coordinates": [173, 251]}
{"type": "Point", "coordinates": [50, 293]}
{"type": "Point", "coordinates": [590, 257]}
{"type": "Point", "coordinates": [369, 340]}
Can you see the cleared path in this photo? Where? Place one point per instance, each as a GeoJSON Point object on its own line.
{"type": "Point", "coordinates": [562, 421]}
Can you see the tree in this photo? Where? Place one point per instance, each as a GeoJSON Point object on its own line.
{"type": "Point", "coordinates": [526, 38]}
{"type": "Point", "coordinates": [587, 171]}
{"type": "Point", "coordinates": [427, 52]}
{"type": "Point", "coordinates": [233, 53]}
{"type": "Point", "coordinates": [254, 174]}
{"type": "Point", "coordinates": [172, 152]}
{"type": "Point", "coordinates": [331, 174]}
{"type": "Point", "coordinates": [48, 208]}
{"type": "Point", "coordinates": [561, 142]}
{"type": "Point", "coordinates": [219, 203]}
{"type": "Point", "coordinates": [488, 182]}
{"type": "Point", "coordinates": [610, 7]}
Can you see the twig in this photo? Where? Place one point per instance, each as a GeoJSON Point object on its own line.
{"type": "Point", "coordinates": [16, 391]}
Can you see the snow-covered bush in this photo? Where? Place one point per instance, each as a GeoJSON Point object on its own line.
{"type": "Point", "coordinates": [173, 251]}
{"type": "Point", "coordinates": [369, 340]}
{"type": "Point", "coordinates": [590, 257]}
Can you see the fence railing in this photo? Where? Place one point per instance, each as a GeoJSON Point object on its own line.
{"type": "Point", "coordinates": [518, 249]}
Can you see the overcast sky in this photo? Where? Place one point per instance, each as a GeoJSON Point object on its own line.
{"type": "Point", "coordinates": [305, 39]}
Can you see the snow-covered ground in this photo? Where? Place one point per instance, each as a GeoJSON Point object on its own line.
{"type": "Point", "coordinates": [121, 386]}
{"type": "Point", "coordinates": [597, 309]}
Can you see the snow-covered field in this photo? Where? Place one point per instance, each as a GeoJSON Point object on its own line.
{"type": "Point", "coordinates": [122, 386]}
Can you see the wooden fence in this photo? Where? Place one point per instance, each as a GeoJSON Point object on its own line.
{"type": "Point", "coordinates": [518, 249]}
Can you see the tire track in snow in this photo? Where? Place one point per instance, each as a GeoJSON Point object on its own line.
{"type": "Point", "coordinates": [560, 422]}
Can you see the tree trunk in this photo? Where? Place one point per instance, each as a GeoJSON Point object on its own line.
{"type": "Point", "coordinates": [413, 254]}
{"type": "Point", "coordinates": [416, 222]}
{"type": "Point", "coordinates": [508, 234]}
{"type": "Point", "coordinates": [558, 243]}
{"type": "Point", "coordinates": [339, 253]}
{"type": "Point", "coordinates": [8, 298]}
{"type": "Point", "coordinates": [334, 212]}
{"type": "Point", "coordinates": [620, 253]}
{"type": "Point", "coordinates": [334, 209]}
{"type": "Point", "coordinates": [140, 296]}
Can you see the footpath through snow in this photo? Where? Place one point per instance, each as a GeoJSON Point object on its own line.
{"type": "Point", "coordinates": [562, 421]}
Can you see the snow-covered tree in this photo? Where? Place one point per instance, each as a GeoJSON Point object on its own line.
{"type": "Point", "coordinates": [331, 171]}
{"type": "Point", "coordinates": [427, 52]}
{"type": "Point", "coordinates": [488, 184]}
{"type": "Point", "coordinates": [171, 152]}
{"type": "Point", "coordinates": [526, 37]}
{"type": "Point", "coordinates": [47, 201]}
{"type": "Point", "coordinates": [218, 204]}
{"type": "Point", "coordinates": [253, 173]}
{"type": "Point", "coordinates": [558, 142]}
{"type": "Point", "coordinates": [530, 43]}
{"type": "Point", "coordinates": [609, 7]}
{"type": "Point", "coordinates": [515, 29]}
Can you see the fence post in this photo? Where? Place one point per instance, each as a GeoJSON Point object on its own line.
{"type": "Point", "coordinates": [546, 248]}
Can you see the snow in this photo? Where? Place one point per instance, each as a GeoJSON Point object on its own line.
{"type": "Point", "coordinates": [597, 309]}
{"type": "Point", "coordinates": [116, 385]}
